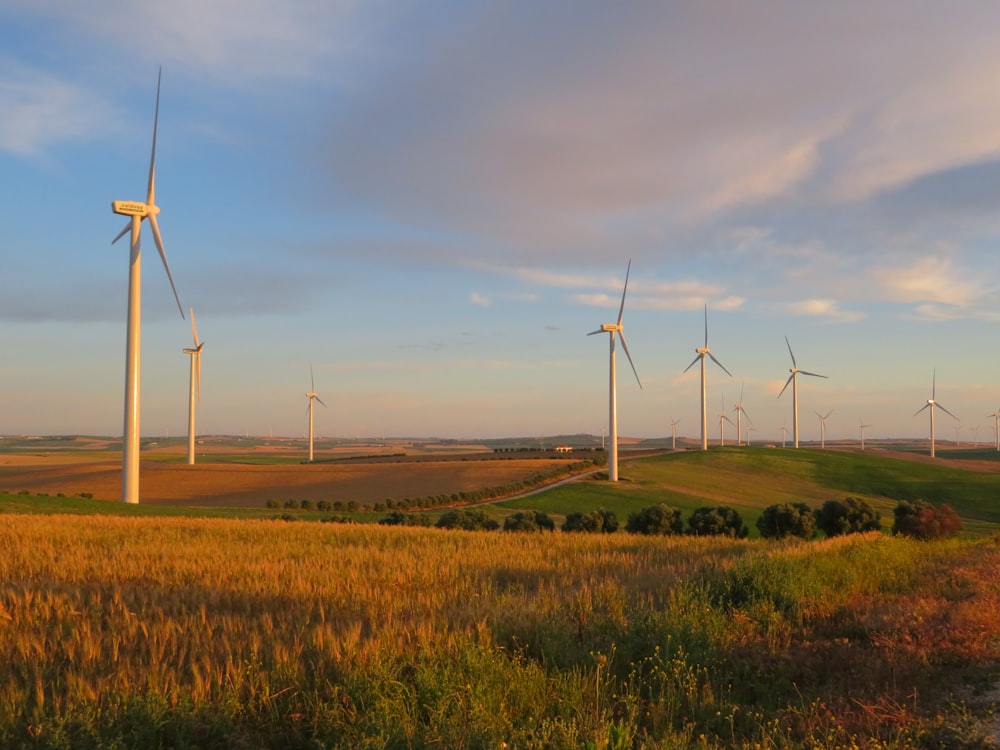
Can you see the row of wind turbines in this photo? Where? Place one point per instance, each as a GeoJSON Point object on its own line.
{"type": "Point", "coordinates": [704, 353]}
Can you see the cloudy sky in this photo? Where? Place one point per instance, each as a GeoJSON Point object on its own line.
{"type": "Point", "coordinates": [432, 203]}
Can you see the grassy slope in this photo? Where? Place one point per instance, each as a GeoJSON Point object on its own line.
{"type": "Point", "coordinates": [750, 479]}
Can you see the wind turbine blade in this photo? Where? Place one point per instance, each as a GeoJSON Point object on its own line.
{"type": "Point", "coordinates": [150, 193]}
{"type": "Point", "coordinates": [814, 374]}
{"type": "Point", "coordinates": [786, 384]}
{"type": "Point", "coordinates": [742, 385]}
{"type": "Point", "coordinates": [321, 401]}
{"type": "Point", "coordinates": [946, 411]}
{"type": "Point", "coordinates": [163, 256]}
{"type": "Point", "coordinates": [621, 308]}
{"type": "Point", "coordinates": [194, 329]}
{"type": "Point", "coordinates": [122, 233]}
{"type": "Point", "coordinates": [625, 347]}
{"type": "Point", "coordinates": [726, 417]}
{"type": "Point", "coordinates": [599, 330]}
{"type": "Point", "coordinates": [706, 326]}
{"type": "Point", "coordinates": [790, 352]}
{"type": "Point", "coordinates": [312, 380]}
{"type": "Point", "coordinates": [693, 363]}
{"type": "Point", "coordinates": [828, 414]}
{"type": "Point", "coordinates": [933, 383]}
{"type": "Point", "coordinates": [719, 363]}
{"type": "Point", "coordinates": [746, 416]}
{"type": "Point", "coordinates": [921, 409]}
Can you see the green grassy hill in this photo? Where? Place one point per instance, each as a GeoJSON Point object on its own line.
{"type": "Point", "coordinates": [750, 479]}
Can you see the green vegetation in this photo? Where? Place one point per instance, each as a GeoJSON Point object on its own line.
{"type": "Point", "coordinates": [164, 632]}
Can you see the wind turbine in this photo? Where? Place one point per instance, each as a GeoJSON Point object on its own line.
{"type": "Point", "coordinates": [931, 403]}
{"type": "Point", "coordinates": [749, 428]}
{"type": "Point", "coordinates": [613, 330]}
{"type": "Point", "coordinates": [784, 433]}
{"type": "Point", "coordinates": [195, 388]}
{"type": "Point", "coordinates": [822, 427]}
{"type": "Point", "coordinates": [723, 418]}
{"type": "Point", "coordinates": [673, 433]}
{"type": "Point", "coordinates": [975, 435]}
{"type": "Point", "coordinates": [702, 353]}
{"type": "Point", "coordinates": [137, 211]}
{"type": "Point", "coordinates": [996, 428]}
{"type": "Point", "coordinates": [740, 412]}
{"type": "Point", "coordinates": [958, 436]}
{"type": "Point", "coordinates": [863, 426]}
{"type": "Point", "coordinates": [794, 380]}
{"type": "Point", "coordinates": [312, 396]}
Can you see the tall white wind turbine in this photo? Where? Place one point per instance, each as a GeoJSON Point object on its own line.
{"type": "Point", "coordinates": [195, 387]}
{"type": "Point", "coordinates": [784, 433]}
{"type": "Point", "coordinates": [749, 428]}
{"type": "Point", "coordinates": [673, 433]}
{"type": "Point", "coordinates": [930, 405]}
{"type": "Point", "coordinates": [702, 353]}
{"type": "Point", "coordinates": [615, 330]}
{"type": "Point", "coordinates": [740, 413]}
{"type": "Point", "coordinates": [996, 428]}
{"type": "Point", "coordinates": [137, 211]}
{"type": "Point", "coordinates": [862, 425]}
{"type": "Point", "coordinates": [312, 396]}
{"type": "Point", "coordinates": [794, 380]}
{"type": "Point", "coordinates": [822, 427]}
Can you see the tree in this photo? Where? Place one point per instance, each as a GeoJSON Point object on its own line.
{"type": "Point", "coordinates": [852, 515]}
{"type": "Point", "coordinates": [532, 520]}
{"type": "Point", "coordinates": [655, 519]}
{"type": "Point", "coordinates": [921, 520]}
{"type": "Point", "coordinates": [787, 519]}
{"type": "Point", "coordinates": [721, 521]}
{"type": "Point", "coordinates": [468, 520]}
{"type": "Point", "coordinates": [596, 521]}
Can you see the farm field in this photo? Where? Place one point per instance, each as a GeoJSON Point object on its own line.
{"type": "Point", "coordinates": [167, 632]}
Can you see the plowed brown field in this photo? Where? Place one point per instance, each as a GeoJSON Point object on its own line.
{"type": "Point", "coordinates": [241, 485]}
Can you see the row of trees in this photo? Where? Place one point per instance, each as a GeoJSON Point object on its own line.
{"type": "Point", "coordinates": [918, 519]}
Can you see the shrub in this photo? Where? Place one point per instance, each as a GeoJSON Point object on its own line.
{"type": "Point", "coordinates": [290, 504]}
{"type": "Point", "coordinates": [787, 519]}
{"type": "Point", "coordinates": [596, 521]}
{"type": "Point", "coordinates": [532, 520]}
{"type": "Point", "coordinates": [467, 520]}
{"type": "Point", "coordinates": [655, 519]}
{"type": "Point", "coordinates": [721, 521]}
{"type": "Point", "coordinates": [398, 518]}
{"type": "Point", "coordinates": [323, 505]}
{"type": "Point", "coordinates": [852, 515]}
{"type": "Point", "coordinates": [272, 503]}
{"type": "Point", "coordinates": [306, 504]}
{"type": "Point", "coordinates": [921, 520]}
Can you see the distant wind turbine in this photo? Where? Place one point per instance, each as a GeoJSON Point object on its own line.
{"type": "Point", "coordinates": [930, 405]}
{"type": "Point", "coordinates": [822, 427]}
{"type": "Point", "coordinates": [723, 418]}
{"type": "Point", "coordinates": [614, 330]}
{"type": "Point", "coordinates": [794, 380]}
{"type": "Point", "coordinates": [996, 428]}
{"type": "Point", "coordinates": [673, 433]}
{"type": "Point", "coordinates": [862, 425]}
{"type": "Point", "coordinates": [702, 353]}
{"type": "Point", "coordinates": [137, 211]}
{"type": "Point", "coordinates": [312, 396]}
{"type": "Point", "coordinates": [975, 435]}
{"type": "Point", "coordinates": [784, 433]}
{"type": "Point", "coordinates": [749, 428]}
{"type": "Point", "coordinates": [958, 436]}
{"type": "Point", "coordinates": [194, 392]}
{"type": "Point", "coordinates": [740, 412]}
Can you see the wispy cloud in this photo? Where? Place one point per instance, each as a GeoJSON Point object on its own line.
{"type": "Point", "coordinates": [825, 308]}
{"type": "Point", "coordinates": [930, 280]}
{"type": "Point", "coordinates": [479, 300]}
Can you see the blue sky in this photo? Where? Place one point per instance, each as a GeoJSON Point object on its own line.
{"type": "Point", "coordinates": [433, 202]}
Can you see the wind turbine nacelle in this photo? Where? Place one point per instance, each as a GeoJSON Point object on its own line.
{"type": "Point", "coordinates": [610, 328]}
{"type": "Point", "coordinates": [129, 208]}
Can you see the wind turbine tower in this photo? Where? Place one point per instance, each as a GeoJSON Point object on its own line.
{"type": "Point", "coordinates": [312, 396]}
{"type": "Point", "coordinates": [740, 412]}
{"type": "Point", "coordinates": [863, 426]}
{"type": "Point", "coordinates": [930, 405]}
{"type": "Point", "coordinates": [723, 418]}
{"type": "Point", "coordinates": [673, 433]}
{"type": "Point", "coordinates": [194, 391]}
{"type": "Point", "coordinates": [996, 428]}
{"type": "Point", "coordinates": [794, 380]}
{"type": "Point", "coordinates": [822, 427]}
{"type": "Point", "coordinates": [701, 354]}
{"type": "Point", "coordinates": [137, 211]}
{"type": "Point", "coordinates": [615, 330]}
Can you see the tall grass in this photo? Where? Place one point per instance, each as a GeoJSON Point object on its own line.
{"type": "Point", "coordinates": [139, 632]}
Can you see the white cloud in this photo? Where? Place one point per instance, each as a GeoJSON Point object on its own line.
{"type": "Point", "coordinates": [478, 299]}
{"type": "Point", "coordinates": [930, 280]}
{"type": "Point", "coordinates": [825, 308]}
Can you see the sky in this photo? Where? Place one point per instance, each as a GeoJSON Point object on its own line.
{"type": "Point", "coordinates": [432, 203]}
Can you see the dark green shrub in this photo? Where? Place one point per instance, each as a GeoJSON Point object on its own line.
{"type": "Point", "coordinates": [306, 504]}
{"type": "Point", "coordinates": [787, 519]}
{"type": "Point", "coordinates": [272, 503]}
{"type": "Point", "coordinates": [921, 520]}
{"type": "Point", "coordinates": [596, 521]}
{"type": "Point", "coordinates": [531, 520]}
{"type": "Point", "coordinates": [323, 505]}
{"type": "Point", "coordinates": [290, 504]}
{"type": "Point", "coordinates": [720, 521]}
{"type": "Point", "coordinates": [398, 518]}
{"type": "Point", "coordinates": [655, 519]}
{"type": "Point", "coordinates": [467, 520]}
{"type": "Point", "coordinates": [852, 515]}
